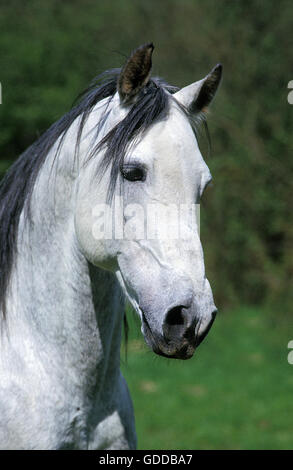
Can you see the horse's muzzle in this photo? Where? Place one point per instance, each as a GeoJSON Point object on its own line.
{"type": "Point", "coordinates": [181, 336]}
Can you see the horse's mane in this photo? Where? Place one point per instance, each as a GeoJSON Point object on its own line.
{"type": "Point", "coordinates": [17, 185]}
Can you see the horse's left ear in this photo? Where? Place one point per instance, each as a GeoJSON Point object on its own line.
{"type": "Point", "coordinates": [197, 96]}
{"type": "Point", "coordinates": [135, 74]}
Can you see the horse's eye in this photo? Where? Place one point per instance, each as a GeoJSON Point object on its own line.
{"type": "Point", "coordinates": [133, 173]}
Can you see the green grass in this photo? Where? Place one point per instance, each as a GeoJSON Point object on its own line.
{"type": "Point", "coordinates": [235, 393]}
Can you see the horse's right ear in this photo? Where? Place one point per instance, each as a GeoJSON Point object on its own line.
{"type": "Point", "coordinates": [197, 96]}
{"type": "Point", "coordinates": [135, 74]}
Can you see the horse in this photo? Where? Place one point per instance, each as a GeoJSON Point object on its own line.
{"type": "Point", "coordinates": [130, 138]}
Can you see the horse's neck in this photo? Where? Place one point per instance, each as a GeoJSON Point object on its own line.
{"type": "Point", "coordinates": [60, 307]}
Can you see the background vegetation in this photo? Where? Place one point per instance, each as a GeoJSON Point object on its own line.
{"type": "Point", "coordinates": [51, 50]}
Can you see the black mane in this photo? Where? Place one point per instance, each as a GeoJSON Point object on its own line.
{"type": "Point", "coordinates": [16, 187]}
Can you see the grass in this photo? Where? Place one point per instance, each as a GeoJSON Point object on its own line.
{"type": "Point", "coordinates": [235, 393]}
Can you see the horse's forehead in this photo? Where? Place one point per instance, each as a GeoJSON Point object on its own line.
{"type": "Point", "coordinates": [174, 129]}
{"type": "Point", "coordinates": [171, 139]}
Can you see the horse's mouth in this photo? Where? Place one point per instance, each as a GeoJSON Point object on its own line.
{"type": "Point", "coordinates": [185, 352]}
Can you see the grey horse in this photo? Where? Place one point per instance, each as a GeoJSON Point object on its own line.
{"type": "Point", "coordinates": [67, 265]}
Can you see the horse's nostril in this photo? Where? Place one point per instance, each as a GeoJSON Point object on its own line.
{"type": "Point", "coordinates": [175, 316]}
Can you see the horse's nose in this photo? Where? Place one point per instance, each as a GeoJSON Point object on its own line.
{"type": "Point", "coordinates": [178, 322]}
{"type": "Point", "coordinates": [183, 331]}
{"type": "Point", "coordinates": [204, 328]}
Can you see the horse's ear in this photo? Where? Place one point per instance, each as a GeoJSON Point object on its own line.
{"type": "Point", "coordinates": [197, 96]}
{"type": "Point", "coordinates": [135, 74]}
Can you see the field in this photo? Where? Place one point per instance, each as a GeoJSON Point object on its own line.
{"type": "Point", "coordinates": [235, 393]}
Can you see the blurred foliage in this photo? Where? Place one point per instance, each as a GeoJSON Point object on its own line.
{"type": "Point", "coordinates": [50, 51]}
